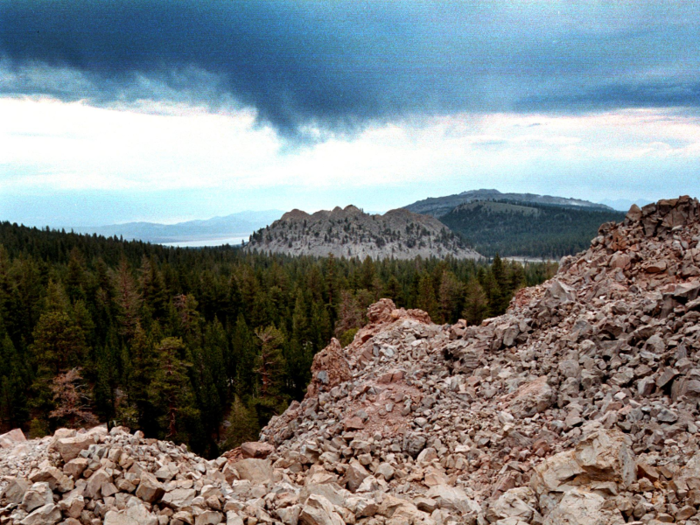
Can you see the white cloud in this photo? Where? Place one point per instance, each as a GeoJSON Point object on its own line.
{"type": "Point", "coordinates": [146, 147]}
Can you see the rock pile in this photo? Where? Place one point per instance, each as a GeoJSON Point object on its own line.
{"type": "Point", "coordinates": [578, 406]}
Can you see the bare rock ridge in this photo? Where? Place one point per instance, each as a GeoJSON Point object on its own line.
{"type": "Point", "coordinates": [579, 406]}
{"type": "Point", "coordinates": [349, 232]}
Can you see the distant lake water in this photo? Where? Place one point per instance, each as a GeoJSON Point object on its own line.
{"type": "Point", "coordinates": [233, 241]}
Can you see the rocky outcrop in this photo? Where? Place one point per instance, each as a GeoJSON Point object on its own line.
{"type": "Point", "coordinates": [579, 406]}
{"type": "Point", "coordinates": [349, 232]}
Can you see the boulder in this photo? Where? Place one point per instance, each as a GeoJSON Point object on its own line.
{"type": "Point", "coordinates": [532, 398]}
{"type": "Point", "coordinates": [256, 450]}
{"type": "Point", "coordinates": [70, 447]}
{"type": "Point", "coordinates": [453, 498]}
{"type": "Point", "coordinates": [76, 467]}
{"type": "Point", "coordinates": [179, 498]}
{"type": "Point", "coordinates": [604, 456]}
{"type": "Point", "coordinates": [72, 504]}
{"type": "Point", "coordinates": [331, 491]}
{"type": "Point", "coordinates": [319, 511]}
{"type": "Point", "coordinates": [209, 517]}
{"type": "Point", "coordinates": [558, 293]}
{"type": "Point", "coordinates": [150, 489]}
{"type": "Point", "coordinates": [14, 490]}
{"type": "Point", "coordinates": [100, 478]}
{"type": "Point", "coordinates": [38, 495]}
{"type": "Point", "coordinates": [256, 471]}
{"type": "Point", "coordinates": [513, 503]}
{"type": "Point", "coordinates": [46, 515]}
{"type": "Point", "coordinates": [328, 369]}
{"type": "Point", "coordinates": [580, 507]}
{"type": "Point", "coordinates": [56, 479]}
{"type": "Point", "coordinates": [11, 438]}
{"type": "Point", "coordinates": [355, 475]}
{"type": "Point", "coordinates": [137, 514]}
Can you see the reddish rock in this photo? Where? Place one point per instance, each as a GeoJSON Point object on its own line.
{"type": "Point", "coordinates": [353, 423]}
{"type": "Point", "coordinates": [256, 449]}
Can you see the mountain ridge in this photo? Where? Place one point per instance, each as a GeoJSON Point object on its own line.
{"type": "Point", "coordinates": [240, 224]}
{"type": "Point", "coordinates": [439, 206]}
{"type": "Point", "coordinates": [515, 228]}
{"type": "Point", "coordinates": [349, 232]}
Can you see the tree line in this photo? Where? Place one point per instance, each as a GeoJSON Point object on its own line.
{"type": "Point", "coordinates": [199, 346]}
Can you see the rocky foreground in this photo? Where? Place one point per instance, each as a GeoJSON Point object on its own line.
{"type": "Point", "coordinates": [578, 407]}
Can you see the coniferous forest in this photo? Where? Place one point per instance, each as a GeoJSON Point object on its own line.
{"type": "Point", "coordinates": [199, 346]}
{"type": "Point", "coordinates": [527, 229]}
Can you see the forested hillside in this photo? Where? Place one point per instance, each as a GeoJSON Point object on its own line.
{"type": "Point", "coordinates": [527, 229]}
{"type": "Point", "coordinates": [197, 346]}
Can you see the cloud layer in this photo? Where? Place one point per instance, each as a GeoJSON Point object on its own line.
{"type": "Point", "coordinates": [341, 65]}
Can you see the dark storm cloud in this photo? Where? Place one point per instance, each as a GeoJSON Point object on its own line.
{"type": "Point", "coordinates": [340, 64]}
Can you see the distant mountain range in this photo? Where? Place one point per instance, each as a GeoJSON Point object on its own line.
{"type": "Point", "coordinates": [230, 229]}
{"type": "Point", "coordinates": [511, 224]}
{"type": "Point", "coordinates": [439, 206]}
{"type": "Point", "coordinates": [349, 232]}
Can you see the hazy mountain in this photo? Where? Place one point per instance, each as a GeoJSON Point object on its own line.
{"type": "Point", "coordinates": [350, 232]}
{"type": "Point", "coordinates": [439, 206]}
{"type": "Point", "coordinates": [236, 225]}
{"type": "Point", "coordinates": [528, 229]}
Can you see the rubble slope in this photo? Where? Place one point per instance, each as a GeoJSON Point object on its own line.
{"type": "Point", "coordinates": [578, 406]}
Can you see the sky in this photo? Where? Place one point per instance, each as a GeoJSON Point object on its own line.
{"type": "Point", "coordinates": [167, 111]}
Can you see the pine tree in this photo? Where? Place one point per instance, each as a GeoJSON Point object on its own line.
{"type": "Point", "coordinates": [476, 306]}
{"type": "Point", "coordinates": [242, 425]}
{"type": "Point", "coordinates": [270, 362]}
{"type": "Point", "coordinates": [240, 363]}
{"type": "Point", "coordinates": [128, 300]}
{"type": "Point", "coordinates": [170, 390]}
{"type": "Point", "coordinates": [426, 300]}
{"type": "Point", "coordinates": [153, 291]}
{"type": "Point", "coordinates": [451, 294]}
{"type": "Point", "coordinates": [349, 316]}
{"type": "Point", "coordinates": [76, 280]}
{"type": "Point", "coordinates": [59, 345]}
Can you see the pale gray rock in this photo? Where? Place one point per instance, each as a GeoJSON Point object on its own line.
{"type": "Point", "coordinates": [254, 470]}
{"type": "Point", "coordinates": [137, 514]}
{"type": "Point", "coordinates": [453, 498]}
{"type": "Point", "coordinates": [150, 489]}
{"type": "Point", "coordinates": [15, 489]}
{"type": "Point", "coordinates": [580, 507]}
{"type": "Point", "coordinates": [70, 447]}
{"type": "Point", "coordinates": [38, 495]}
{"type": "Point", "coordinates": [46, 515]}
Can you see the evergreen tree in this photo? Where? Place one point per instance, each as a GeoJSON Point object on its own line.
{"type": "Point", "coordinates": [59, 345]}
{"type": "Point", "coordinates": [170, 390]}
{"type": "Point", "coordinates": [426, 300]}
{"type": "Point", "coordinates": [451, 297]}
{"type": "Point", "coordinates": [128, 300]}
{"type": "Point", "coordinates": [270, 362]}
{"type": "Point", "coordinates": [477, 308]}
{"type": "Point", "coordinates": [242, 425]}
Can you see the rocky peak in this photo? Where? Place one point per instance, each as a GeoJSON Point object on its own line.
{"type": "Point", "coordinates": [350, 232]}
